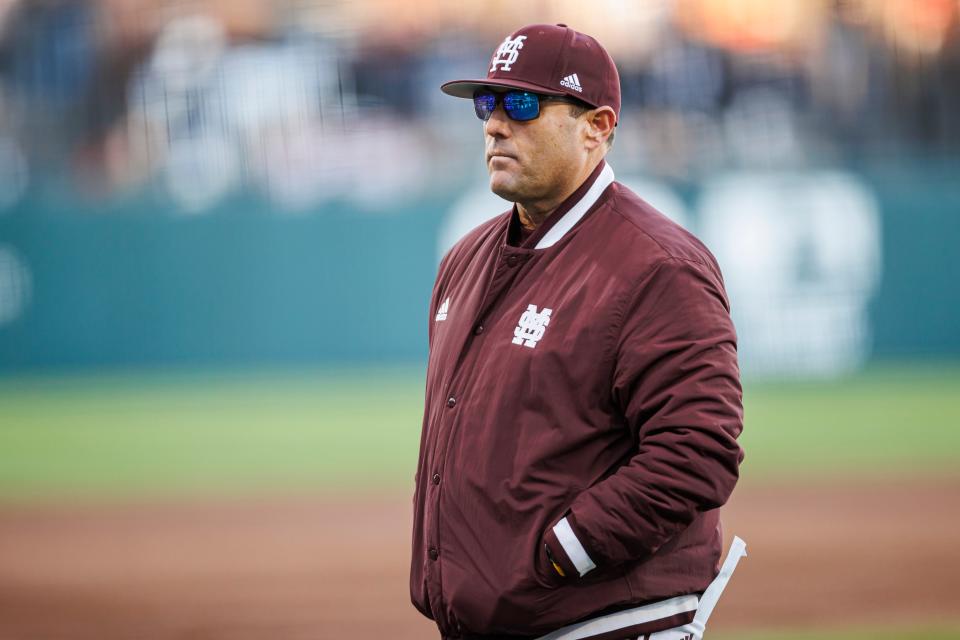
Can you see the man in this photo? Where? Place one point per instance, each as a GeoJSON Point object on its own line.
{"type": "Point", "coordinates": [583, 397]}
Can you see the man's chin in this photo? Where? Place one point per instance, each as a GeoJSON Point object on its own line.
{"type": "Point", "coordinates": [502, 188]}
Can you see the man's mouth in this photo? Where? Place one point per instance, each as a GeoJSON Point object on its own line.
{"type": "Point", "coordinates": [499, 154]}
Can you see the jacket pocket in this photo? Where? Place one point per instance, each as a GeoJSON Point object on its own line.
{"type": "Point", "coordinates": [546, 575]}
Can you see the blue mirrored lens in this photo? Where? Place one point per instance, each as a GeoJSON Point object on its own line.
{"type": "Point", "coordinates": [518, 105]}
{"type": "Point", "coordinates": [521, 105]}
{"type": "Point", "coordinates": [484, 102]}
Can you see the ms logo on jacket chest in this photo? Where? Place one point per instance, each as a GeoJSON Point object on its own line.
{"type": "Point", "coordinates": [532, 326]}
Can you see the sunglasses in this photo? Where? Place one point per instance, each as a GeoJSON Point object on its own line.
{"type": "Point", "coordinates": [518, 105]}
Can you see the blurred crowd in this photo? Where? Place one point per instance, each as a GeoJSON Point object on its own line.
{"type": "Point", "coordinates": [311, 101]}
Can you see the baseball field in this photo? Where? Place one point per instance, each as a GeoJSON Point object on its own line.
{"type": "Point", "coordinates": [276, 504]}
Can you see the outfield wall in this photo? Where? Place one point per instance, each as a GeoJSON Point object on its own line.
{"type": "Point", "coordinates": [135, 284]}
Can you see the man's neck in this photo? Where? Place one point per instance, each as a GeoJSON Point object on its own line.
{"type": "Point", "coordinates": [531, 219]}
{"type": "Point", "coordinates": [533, 213]}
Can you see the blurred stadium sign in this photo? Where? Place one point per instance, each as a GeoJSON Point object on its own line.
{"type": "Point", "coordinates": [800, 255]}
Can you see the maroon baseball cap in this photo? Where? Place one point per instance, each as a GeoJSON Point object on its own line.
{"type": "Point", "coordinates": [552, 59]}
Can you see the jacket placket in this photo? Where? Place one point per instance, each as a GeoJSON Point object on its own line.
{"type": "Point", "coordinates": [447, 407]}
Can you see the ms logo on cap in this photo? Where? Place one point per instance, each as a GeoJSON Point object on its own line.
{"type": "Point", "coordinates": [507, 53]}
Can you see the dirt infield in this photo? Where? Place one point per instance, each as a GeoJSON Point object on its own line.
{"type": "Point", "coordinates": [322, 568]}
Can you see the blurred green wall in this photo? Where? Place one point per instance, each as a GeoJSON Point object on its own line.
{"type": "Point", "coordinates": [238, 285]}
{"type": "Point", "coordinates": [133, 284]}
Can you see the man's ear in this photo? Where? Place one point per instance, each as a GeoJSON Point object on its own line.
{"type": "Point", "coordinates": [600, 124]}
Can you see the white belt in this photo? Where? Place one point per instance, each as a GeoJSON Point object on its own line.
{"type": "Point", "coordinates": [663, 609]}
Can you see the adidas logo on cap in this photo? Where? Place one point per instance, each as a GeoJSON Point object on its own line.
{"type": "Point", "coordinates": [572, 82]}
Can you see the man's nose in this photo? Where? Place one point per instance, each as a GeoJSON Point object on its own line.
{"type": "Point", "coordinates": [498, 125]}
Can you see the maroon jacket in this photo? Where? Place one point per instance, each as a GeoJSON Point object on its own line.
{"type": "Point", "coordinates": [582, 394]}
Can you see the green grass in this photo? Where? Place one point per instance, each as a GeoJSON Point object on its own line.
{"type": "Point", "coordinates": [890, 419]}
{"type": "Point", "coordinates": [172, 434]}
{"type": "Point", "coordinates": [116, 435]}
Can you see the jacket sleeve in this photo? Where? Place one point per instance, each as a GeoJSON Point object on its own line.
{"type": "Point", "coordinates": [677, 383]}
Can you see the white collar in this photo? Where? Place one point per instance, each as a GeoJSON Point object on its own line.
{"type": "Point", "coordinates": [577, 211]}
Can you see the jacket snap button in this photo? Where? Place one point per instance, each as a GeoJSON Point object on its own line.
{"type": "Point", "coordinates": [512, 261]}
{"type": "Point", "coordinates": [434, 553]}
{"type": "Point", "coordinates": [451, 401]}
{"type": "Point", "coordinates": [436, 478]}
{"type": "Point", "coordinates": [478, 330]}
